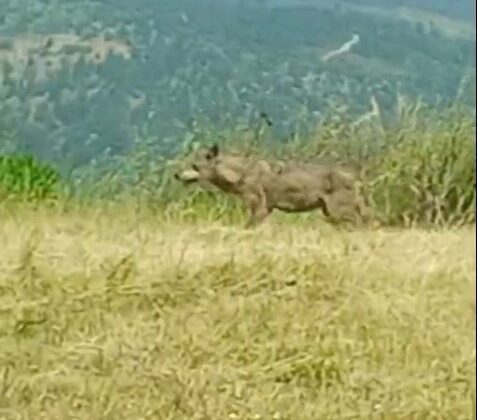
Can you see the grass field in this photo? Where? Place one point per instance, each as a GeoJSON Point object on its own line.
{"type": "Point", "coordinates": [116, 314]}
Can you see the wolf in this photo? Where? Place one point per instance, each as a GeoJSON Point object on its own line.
{"type": "Point", "coordinates": [291, 187]}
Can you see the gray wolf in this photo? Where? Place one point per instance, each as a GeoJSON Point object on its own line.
{"type": "Point", "coordinates": [291, 187]}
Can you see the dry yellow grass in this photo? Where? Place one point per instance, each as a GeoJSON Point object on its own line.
{"type": "Point", "coordinates": [109, 315]}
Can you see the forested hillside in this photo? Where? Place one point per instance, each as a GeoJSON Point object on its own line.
{"type": "Point", "coordinates": [84, 78]}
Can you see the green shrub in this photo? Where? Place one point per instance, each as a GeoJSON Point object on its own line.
{"type": "Point", "coordinates": [24, 177]}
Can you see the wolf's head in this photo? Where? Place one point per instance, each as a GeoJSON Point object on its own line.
{"type": "Point", "coordinates": [210, 165]}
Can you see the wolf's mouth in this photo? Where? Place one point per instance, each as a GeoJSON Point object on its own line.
{"type": "Point", "coordinates": [188, 181]}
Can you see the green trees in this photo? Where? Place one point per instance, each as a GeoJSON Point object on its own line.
{"type": "Point", "coordinates": [215, 65]}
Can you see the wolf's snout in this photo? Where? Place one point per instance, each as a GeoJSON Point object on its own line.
{"type": "Point", "coordinates": [187, 176]}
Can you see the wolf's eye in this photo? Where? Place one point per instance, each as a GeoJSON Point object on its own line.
{"type": "Point", "coordinates": [195, 167]}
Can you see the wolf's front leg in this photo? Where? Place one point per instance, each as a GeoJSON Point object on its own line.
{"type": "Point", "coordinates": [256, 218]}
{"type": "Point", "coordinates": [257, 204]}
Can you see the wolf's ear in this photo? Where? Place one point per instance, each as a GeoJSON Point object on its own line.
{"type": "Point", "coordinates": [213, 151]}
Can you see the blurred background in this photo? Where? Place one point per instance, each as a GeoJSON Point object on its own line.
{"type": "Point", "coordinates": [82, 81]}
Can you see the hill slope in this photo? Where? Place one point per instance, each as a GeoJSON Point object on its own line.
{"type": "Point", "coordinates": [164, 67]}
